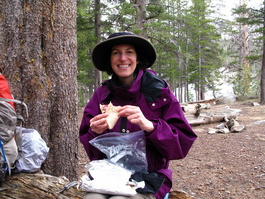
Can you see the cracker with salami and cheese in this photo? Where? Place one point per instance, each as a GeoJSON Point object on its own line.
{"type": "Point", "coordinates": [113, 113]}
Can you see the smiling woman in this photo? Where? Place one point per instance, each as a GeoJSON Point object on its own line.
{"type": "Point", "coordinates": [146, 104]}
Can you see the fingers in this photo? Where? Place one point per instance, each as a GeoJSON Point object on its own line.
{"type": "Point", "coordinates": [128, 110]}
{"type": "Point", "coordinates": [99, 117]}
{"type": "Point", "coordinates": [98, 123]}
{"type": "Point", "coordinates": [133, 114]}
{"type": "Point", "coordinates": [136, 116]}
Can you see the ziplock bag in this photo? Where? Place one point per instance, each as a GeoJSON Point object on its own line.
{"type": "Point", "coordinates": [127, 150]}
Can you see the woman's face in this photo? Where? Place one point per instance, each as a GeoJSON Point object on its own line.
{"type": "Point", "coordinates": [123, 62]}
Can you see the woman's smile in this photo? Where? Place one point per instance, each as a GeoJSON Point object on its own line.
{"type": "Point", "coordinates": [123, 66]}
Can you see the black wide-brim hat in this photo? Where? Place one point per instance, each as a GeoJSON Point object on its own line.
{"type": "Point", "coordinates": [101, 52]}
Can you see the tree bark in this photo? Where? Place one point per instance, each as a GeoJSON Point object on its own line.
{"type": "Point", "coordinates": [98, 79]}
{"type": "Point", "coordinates": [38, 55]}
{"type": "Point", "coordinates": [38, 185]}
{"type": "Point", "coordinates": [43, 186]}
{"type": "Point", "coordinates": [245, 64]}
{"type": "Point", "coordinates": [141, 15]}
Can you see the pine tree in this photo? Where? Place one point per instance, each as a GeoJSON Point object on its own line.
{"type": "Point", "coordinates": [203, 46]}
{"type": "Point", "coordinates": [256, 19]}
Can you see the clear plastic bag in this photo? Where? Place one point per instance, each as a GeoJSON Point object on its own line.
{"type": "Point", "coordinates": [108, 178]}
{"type": "Point", "coordinates": [127, 150]}
{"type": "Point", "coordinates": [34, 152]}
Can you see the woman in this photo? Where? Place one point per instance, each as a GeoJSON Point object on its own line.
{"type": "Point", "coordinates": [146, 103]}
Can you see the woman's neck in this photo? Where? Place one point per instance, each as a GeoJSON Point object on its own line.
{"type": "Point", "coordinates": [126, 81]}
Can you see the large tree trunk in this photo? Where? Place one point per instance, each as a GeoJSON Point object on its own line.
{"type": "Point", "coordinates": [245, 64]}
{"type": "Point", "coordinates": [38, 55]}
{"type": "Point", "coordinates": [244, 74]}
{"type": "Point", "coordinates": [98, 79]}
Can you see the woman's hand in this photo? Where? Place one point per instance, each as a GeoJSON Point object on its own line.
{"type": "Point", "coordinates": [136, 116]}
{"type": "Point", "coordinates": [98, 123]}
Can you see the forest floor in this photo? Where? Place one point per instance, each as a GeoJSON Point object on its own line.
{"type": "Point", "coordinates": [223, 166]}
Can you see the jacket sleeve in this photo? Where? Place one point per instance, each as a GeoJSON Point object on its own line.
{"type": "Point", "coordinates": [173, 136]}
{"type": "Point", "coordinates": [85, 133]}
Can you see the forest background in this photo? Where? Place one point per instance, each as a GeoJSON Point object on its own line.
{"type": "Point", "coordinates": [45, 54]}
{"type": "Point", "coordinates": [199, 49]}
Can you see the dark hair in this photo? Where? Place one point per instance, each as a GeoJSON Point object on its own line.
{"type": "Point", "coordinates": [142, 62]}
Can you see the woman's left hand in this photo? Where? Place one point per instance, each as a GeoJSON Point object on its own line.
{"type": "Point", "coordinates": [136, 116]}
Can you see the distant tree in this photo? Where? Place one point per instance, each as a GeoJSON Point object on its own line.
{"type": "Point", "coordinates": [86, 39]}
{"type": "Point", "coordinates": [204, 46]}
{"type": "Point", "coordinates": [256, 18]}
{"type": "Point", "coordinates": [38, 56]}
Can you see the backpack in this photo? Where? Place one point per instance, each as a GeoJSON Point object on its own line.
{"type": "Point", "coordinates": [10, 138]}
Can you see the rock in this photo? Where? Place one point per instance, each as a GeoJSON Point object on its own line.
{"type": "Point", "coordinates": [231, 123]}
{"type": "Point", "coordinates": [211, 130]}
{"type": "Point", "coordinates": [237, 128]}
{"type": "Point", "coordinates": [221, 126]}
{"type": "Point", "coordinates": [255, 104]}
{"type": "Point", "coordinates": [224, 130]}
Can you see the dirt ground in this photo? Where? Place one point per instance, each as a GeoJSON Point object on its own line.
{"type": "Point", "coordinates": [227, 166]}
{"type": "Point", "coordinates": [223, 166]}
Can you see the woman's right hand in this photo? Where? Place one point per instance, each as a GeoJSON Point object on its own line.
{"type": "Point", "coordinates": [98, 124]}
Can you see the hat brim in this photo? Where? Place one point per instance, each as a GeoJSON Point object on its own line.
{"type": "Point", "coordinates": [101, 51]}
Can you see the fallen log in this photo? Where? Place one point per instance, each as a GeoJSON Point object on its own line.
{"type": "Point", "coordinates": [43, 186]}
{"type": "Point", "coordinates": [210, 101]}
{"type": "Point", "coordinates": [37, 185]}
{"type": "Point", "coordinates": [217, 113]}
{"type": "Point", "coordinates": [196, 107]}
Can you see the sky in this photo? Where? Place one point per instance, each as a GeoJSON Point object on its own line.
{"type": "Point", "coordinates": [229, 4]}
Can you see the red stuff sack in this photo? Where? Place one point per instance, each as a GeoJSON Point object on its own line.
{"type": "Point", "coordinates": [5, 90]}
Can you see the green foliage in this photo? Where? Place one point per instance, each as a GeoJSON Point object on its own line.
{"type": "Point", "coordinates": [85, 42]}
{"type": "Point", "coordinates": [246, 82]}
{"type": "Point", "coordinates": [188, 39]}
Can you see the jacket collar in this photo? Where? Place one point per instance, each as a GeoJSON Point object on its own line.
{"type": "Point", "coordinates": [146, 83]}
{"type": "Point", "coordinates": [111, 88]}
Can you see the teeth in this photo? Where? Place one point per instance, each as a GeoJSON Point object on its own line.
{"type": "Point", "coordinates": [123, 66]}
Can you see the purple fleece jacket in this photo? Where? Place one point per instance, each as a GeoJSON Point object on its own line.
{"type": "Point", "coordinates": [170, 140]}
